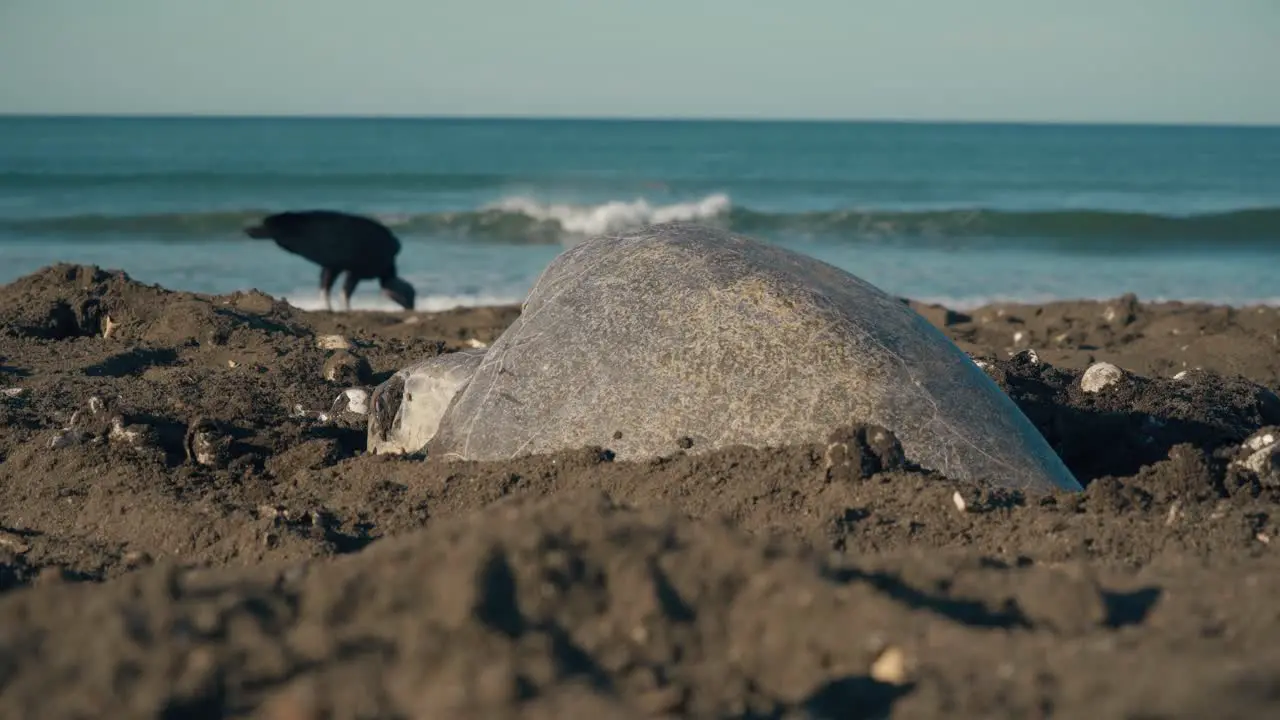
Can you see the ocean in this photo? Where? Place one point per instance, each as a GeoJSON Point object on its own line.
{"type": "Point", "coordinates": [961, 214]}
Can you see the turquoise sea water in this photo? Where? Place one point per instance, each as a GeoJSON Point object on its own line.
{"type": "Point", "coordinates": [956, 213]}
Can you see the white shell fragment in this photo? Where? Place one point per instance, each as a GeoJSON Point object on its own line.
{"type": "Point", "coordinates": [95, 426]}
{"type": "Point", "coordinates": [1258, 454]}
{"type": "Point", "coordinates": [121, 433]}
{"type": "Point", "coordinates": [334, 342]}
{"type": "Point", "coordinates": [204, 448]}
{"type": "Point", "coordinates": [352, 400]}
{"type": "Point", "coordinates": [109, 326]}
{"type": "Point", "coordinates": [1100, 376]}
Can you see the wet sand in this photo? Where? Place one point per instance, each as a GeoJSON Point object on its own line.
{"type": "Point", "coordinates": [182, 534]}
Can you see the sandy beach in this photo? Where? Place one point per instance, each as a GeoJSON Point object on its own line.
{"type": "Point", "coordinates": [189, 529]}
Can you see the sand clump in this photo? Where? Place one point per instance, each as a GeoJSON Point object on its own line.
{"type": "Point", "coordinates": [203, 549]}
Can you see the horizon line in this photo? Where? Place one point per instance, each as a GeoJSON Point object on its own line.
{"type": "Point", "coordinates": [635, 119]}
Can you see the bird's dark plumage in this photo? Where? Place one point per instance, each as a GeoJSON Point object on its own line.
{"type": "Point", "coordinates": [339, 242]}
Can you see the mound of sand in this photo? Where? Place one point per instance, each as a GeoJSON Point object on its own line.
{"type": "Point", "coordinates": [185, 534]}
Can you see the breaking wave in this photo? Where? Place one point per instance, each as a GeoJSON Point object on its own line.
{"type": "Point", "coordinates": [524, 220]}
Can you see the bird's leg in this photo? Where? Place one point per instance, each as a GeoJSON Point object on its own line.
{"type": "Point", "coordinates": [327, 276]}
{"type": "Point", "coordinates": [348, 286]}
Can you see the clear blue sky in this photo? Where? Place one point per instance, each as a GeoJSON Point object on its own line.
{"type": "Point", "coordinates": [1053, 60]}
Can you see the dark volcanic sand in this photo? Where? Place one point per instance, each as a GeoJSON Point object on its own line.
{"type": "Point", "coordinates": [292, 577]}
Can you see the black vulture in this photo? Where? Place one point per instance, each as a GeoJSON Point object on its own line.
{"type": "Point", "coordinates": [339, 242]}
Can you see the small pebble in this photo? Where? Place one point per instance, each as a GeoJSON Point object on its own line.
{"type": "Point", "coordinates": [136, 558]}
{"type": "Point", "coordinates": [334, 342]}
{"type": "Point", "coordinates": [1124, 310]}
{"type": "Point", "coordinates": [1030, 355]}
{"type": "Point", "coordinates": [347, 368]}
{"type": "Point", "coordinates": [206, 444]}
{"type": "Point", "coordinates": [13, 392]}
{"type": "Point", "coordinates": [890, 667]}
{"type": "Point", "coordinates": [958, 499]}
{"type": "Point", "coordinates": [1100, 376]}
{"type": "Point", "coordinates": [13, 542]}
{"type": "Point", "coordinates": [476, 343]}
{"type": "Point", "coordinates": [67, 438]}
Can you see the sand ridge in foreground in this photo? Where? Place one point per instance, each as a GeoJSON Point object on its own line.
{"type": "Point", "coordinates": [295, 577]}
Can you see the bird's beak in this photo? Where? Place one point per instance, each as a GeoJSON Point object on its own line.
{"type": "Point", "coordinates": [258, 232]}
{"type": "Point", "coordinates": [402, 293]}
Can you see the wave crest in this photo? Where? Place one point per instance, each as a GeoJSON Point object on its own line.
{"type": "Point", "coordinates": [616, 215]}
{"type": "Point", "coordinates": [524, 220]}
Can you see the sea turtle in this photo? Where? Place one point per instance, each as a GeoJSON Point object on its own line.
{"type": "Point", "coordinates": [682, 333]}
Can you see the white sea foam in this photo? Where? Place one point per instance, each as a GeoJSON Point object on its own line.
{"type": "Point", "coordinates": [973, 302]}
{"type": "Point", "coordinates": [616, 215]}
{"type": "Point", "coordinates": [312, 300]}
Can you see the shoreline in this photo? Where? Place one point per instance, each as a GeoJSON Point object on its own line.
{"type": "Point", "coordinates": [225, 553]}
